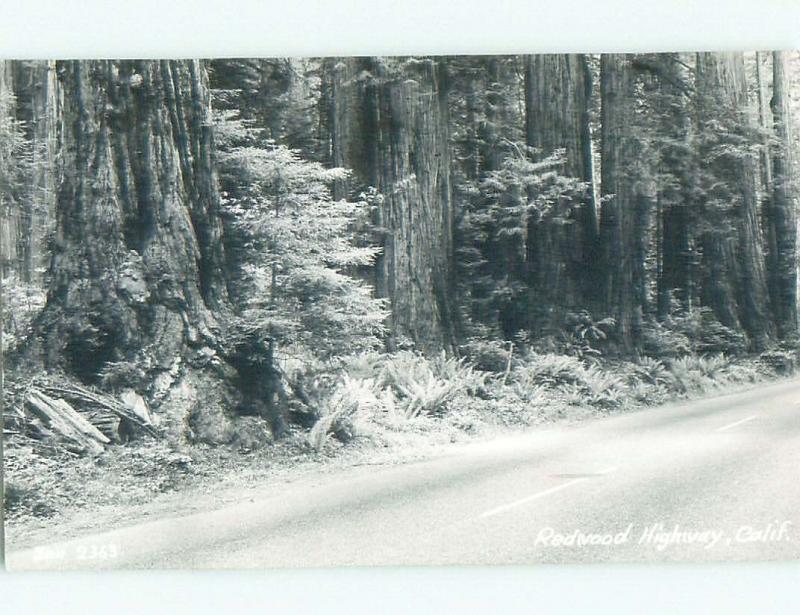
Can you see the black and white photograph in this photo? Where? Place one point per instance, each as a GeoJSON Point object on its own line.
{"type": "Point", "coordinates": [304, 312]}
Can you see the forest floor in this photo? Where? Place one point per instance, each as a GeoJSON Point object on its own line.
{"type": "Point", "coordinates": [61, 496]}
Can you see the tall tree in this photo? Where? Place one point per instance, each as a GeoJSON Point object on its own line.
{"type": "Point", "coordinates": [136, 273]}
{"type": "Point", "coordinates": [627, 200]}
{"type": "Point", "coordinates": [495, 131]}
{"type": "Point", "coordinates": [675, 177]}
{"type": "Point", "coordinates": [782, 212]}
{"type": "Point", "coordinates": [403, 152]}
{"type": "Point", "coordinates": [345, 109]}
{"type": "Point", "coordinates": [37, 111]}
{"type": "Point", "coordinates": [736, 278]}
{"type": "Point", "coordinates": [8, 210]}
{"type": "Point", "coordinates": [561, 256]}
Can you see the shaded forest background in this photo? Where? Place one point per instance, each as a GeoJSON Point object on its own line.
{"type": "Point", "coordinates": [319, 242]}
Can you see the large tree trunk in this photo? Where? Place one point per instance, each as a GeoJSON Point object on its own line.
{"type": "Point", "coordinates": [561, 258]}
{"type": "Point", "coordinates": [716, 239]}
{"type": "Point", "coordinates": [337, 98]}
{"type": "Point", "coordinates": [626, 201]}
{"type": "Point", "coordinates": [38, 111]}
{"type": "Point", "coordinates": [782, 216]}
{"type": "Point", "coordinates": [9, 218]}
{"type": "Point", "coordinates": [723, 102]}
{"type": "Point", "coordinates": [676, 190]}
{"type": "Point", "coordinates": [137, 266]}
{"type": "Point", "coordinates": [403, 151]}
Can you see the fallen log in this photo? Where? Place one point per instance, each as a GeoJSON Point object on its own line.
{"type": "Point", "coordinates": [66, 423]}
{"type": "Point", "coordinates": [75, 418]}
{"type": "Point", "coordinates": [135, 414]}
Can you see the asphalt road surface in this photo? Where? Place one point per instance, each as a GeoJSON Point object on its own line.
{"type": "Point", "coordinates": [711, 480]}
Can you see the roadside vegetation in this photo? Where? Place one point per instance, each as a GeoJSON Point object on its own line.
{"type": "Point", "coordinates": [375, 408]}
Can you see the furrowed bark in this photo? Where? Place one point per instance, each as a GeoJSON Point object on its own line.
{"type": "Point", "coordinates": [137, 265]}
{"type": "Point", "coordinates": [736, 286]}
{"type": "Point", "coordinates": [403, 152]}
{"type": "Point", "coordinates": [624, 207]}
{"type": "Point", "coordinates": [561, 258]}
{"type": "Point", "coordinates": [782, 217]}
{"type": "Point", "coordinates": [676, 193]}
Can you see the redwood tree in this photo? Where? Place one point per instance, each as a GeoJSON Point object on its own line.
{"type": "Point", "coordinates": [676, 182]}
{"type": "Point", "coordinates": [136, 271]}
{"type": "Point", "coordinates": [782, 213]}
{"type": "Point", "coordinates": [622, 224]}
{"type": "Point", "coordinates": [402, 150]}
{"type": "Point", "coordinates": [735, 285]}
{"type": "Point", "coordinates": [561, 257]}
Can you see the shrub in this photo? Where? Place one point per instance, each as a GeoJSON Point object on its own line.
{"type": "Point", "coordinates": [662, 340]}
{"type": "Point", "coordinates": [741, 372]}
{"type": "Point", "coordinates": [693, 373]}
{"type": "Point", "coordinates": [778, 361]}
{"type": "Point", "coordinates": [549, 370]}
{"type": "Point", "coordinates": [25, 500]}
{"type": "Point", "coordinates": [694, 332]}
{"type": "Point", "coordinates": [488, 355]}
{"type": "Point", "coordinates": [650, 371]}
{"type": "Point", "coordinates": [420, 389]}
{"type": "Point", "coordinates": [400, 368]}
{"type": "Point", "coordinates": [527, 392]}
{"type": "Point", "coordinates": [707, 334]}
{"type": "Point", "coordinates": [644, 393]}
{"type": "Point", "coordinates": [604, 389]}
{"type": "Point", "coordinates": [22, 303]}
{"type": "Point", "coordinates": [337, 415]}
{"type": "Point", "coordinates": [459, 371]}
{"type": "Point", "coordinates": [14, 495]}
{"type": "Point", "coordinates": [357, 407]}
{"type": "Point", "coordinates": [577, 382]}
{"type": "Point", "coordinates": [583, 336]}
{"type": "Point", "coordinates": [364, 364]}
{"type": "Point", "coordinates": [379, 390]}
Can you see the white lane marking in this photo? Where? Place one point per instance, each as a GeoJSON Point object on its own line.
{"type": "Point", "coordinates": [737, 423]}
{"type": "Point", "coordinates": [540, 494]}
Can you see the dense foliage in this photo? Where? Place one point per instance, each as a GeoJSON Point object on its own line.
{"type": "Point", "coordinates": [251, 231]}
{"type": "Point", "coordinates": [296, 248]}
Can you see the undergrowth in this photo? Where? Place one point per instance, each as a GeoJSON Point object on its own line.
{"type": "Point", "coordinates": [378, 394]}
{"type": "Point", "coordinates": [386, 406]}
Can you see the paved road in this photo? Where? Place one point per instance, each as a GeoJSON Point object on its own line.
{"type": "Point", "coordinates": [716, 479]}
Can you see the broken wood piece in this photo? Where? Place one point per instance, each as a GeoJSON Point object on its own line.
{"type": "Point", "coordinates": [136, 404]}
{"type": "Point", "coordinates": [59, 417]}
